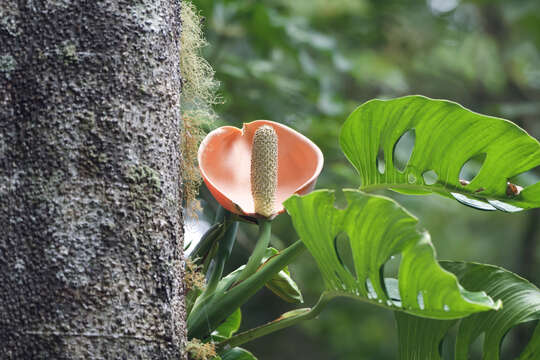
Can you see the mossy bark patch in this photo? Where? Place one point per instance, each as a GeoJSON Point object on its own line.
{"type": "Point", "coordinates": [199, 94]}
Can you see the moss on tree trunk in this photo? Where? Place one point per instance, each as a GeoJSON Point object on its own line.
{"type": "Point", "coordinates": [91, 236]}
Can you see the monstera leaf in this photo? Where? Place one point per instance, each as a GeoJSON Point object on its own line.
{"type": "Point", "coordinates": [376, 228]}
{"type": "Point", "coordinates": [446, 137]}
{"type": "Point", "coordinates": [419, 338]}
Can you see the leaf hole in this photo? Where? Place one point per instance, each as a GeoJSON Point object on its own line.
{"type": "Point", "coordinates": [342, 245]}
{"type": "Point", "coordinates": [430, 177]}
{"type": "Point", "coordinates": [391, 288]}
{"type": "Point", "coordinates": [340, 200]}
{"type": "Point", "coordinates": [403, 149]}
{"type": "Point", "coordinates": [527, 178]}
{"type": "Point", "coordinates": [516, 339]}
{"type": "Point", "coordinates": [475, 348]}
{"type": "Point", "coordinates": [371, 293]}
{"type": "Point", "coordinates": [389, 272]}
{"type": "Point", "coordinates": [391, 266]}
{"type": "Point", "coordinates": [420, 300]}
{"type": "Point", "coordinates": [381, 164]}
{"type": "Point", "coordinates": [447, 344]}
{"type": "Point", "coordinates": [471, 168]}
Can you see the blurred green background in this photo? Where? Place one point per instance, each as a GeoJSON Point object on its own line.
{"type": "Point", "coordinates": [309, 63]}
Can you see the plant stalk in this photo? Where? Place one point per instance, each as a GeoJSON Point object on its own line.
{"type": "Point", "coordinates": [210, 311]}
{"type": "Point", "coordinates": [265, 231]}
{"type": "Point", "coordinates": [288, 319]}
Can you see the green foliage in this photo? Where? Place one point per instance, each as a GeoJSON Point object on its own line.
{"type": "Point", "coordinates": [378, 228]}
{"type": "Point", "coordinates": [309, 63]}
{"type": "Point", "coordinates": [237, 354]}
{"type": "Point", "coordinates": [282, 284]}
{"type": "Point", "coordinates": [211, 310]}
{"type": "Point", "coordinates": [447, 136]}
{"type": "Point", "coordinates": [420, 338]}
{"type": "Point", "coordinates": [229, 326]}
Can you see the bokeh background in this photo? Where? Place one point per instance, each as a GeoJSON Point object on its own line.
{"type": "Point", "coordinates": [309, 63]}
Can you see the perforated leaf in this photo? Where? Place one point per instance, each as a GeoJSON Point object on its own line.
{"type": "Point", "coordinates": [377, 228]}
{"type": "Point", "coordinates": [420, 337]}
{"type": "Point", "coordinates": [446, 137]}
{"type": "Point", "coordinates": [521, 303]}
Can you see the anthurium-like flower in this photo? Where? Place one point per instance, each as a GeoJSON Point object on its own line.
{"type": "Point", "coordinates": [239, 166]}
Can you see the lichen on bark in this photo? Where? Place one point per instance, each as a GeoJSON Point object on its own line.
{"type": "Point", "coordinates": [90, 132]}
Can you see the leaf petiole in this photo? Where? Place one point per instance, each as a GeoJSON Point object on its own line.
{"type": "Point", "coordinates": [288, 319]}
{"type": "Point", "coordinates": [265, 231]}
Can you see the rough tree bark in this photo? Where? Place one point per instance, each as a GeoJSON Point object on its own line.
{"type": "Point", "coordinates": [90, 239]}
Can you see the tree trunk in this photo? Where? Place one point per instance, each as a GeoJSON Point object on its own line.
{"type": "Point", "coordinates": [90, 218]}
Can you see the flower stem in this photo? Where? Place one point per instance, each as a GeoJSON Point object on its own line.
{"type": "Point", "coordinates": [288, 319]}
{"type": "Point", "coordinates": [265, 230]}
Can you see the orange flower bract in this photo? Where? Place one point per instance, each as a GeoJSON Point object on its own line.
{"type": "Point", "coordinates": [225, 161]}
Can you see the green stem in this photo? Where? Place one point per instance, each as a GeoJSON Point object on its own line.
{"type": "Point", "coordinates": [265, 230]}
{"type": "Point", "coordinates": [209, 312]}
{"type": "Point", "coordinates": [288, 319]}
